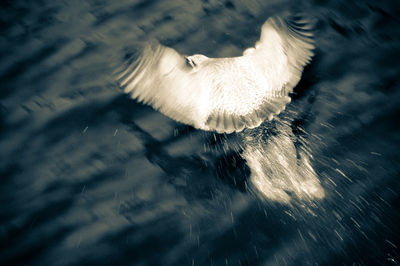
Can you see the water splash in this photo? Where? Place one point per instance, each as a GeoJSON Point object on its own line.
{"type": "Point", "coordinates": [280, 165]}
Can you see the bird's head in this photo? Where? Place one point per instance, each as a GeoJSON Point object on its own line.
{"type": "Point", "coordinates": [196, 60]}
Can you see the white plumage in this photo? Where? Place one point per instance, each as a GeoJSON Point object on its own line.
{"type": "Point", "coordinates": [223, 94]}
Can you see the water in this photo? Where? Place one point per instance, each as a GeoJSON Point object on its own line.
{"type": "Point", "coordinates": [89, 176]}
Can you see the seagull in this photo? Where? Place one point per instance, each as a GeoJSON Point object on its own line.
{"type": "Point", "coordinates": [224, 94]}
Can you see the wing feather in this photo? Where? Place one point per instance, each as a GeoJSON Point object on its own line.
{"type": "Point", "coordinates": [160, 77]}
{"type": "Point", "coordinates": [291, 37]}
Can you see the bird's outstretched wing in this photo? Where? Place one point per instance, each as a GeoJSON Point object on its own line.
{"type": "Point", "coordinates": [161, 77]}
{"type": "Point", "coordinates": [223, 94]}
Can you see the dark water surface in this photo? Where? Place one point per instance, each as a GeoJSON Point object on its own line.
{"type": "Point", "coordinates": [90, 177]}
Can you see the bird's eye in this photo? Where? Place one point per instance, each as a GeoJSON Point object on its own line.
{"type": "Point", "coordinates": [189, 62]}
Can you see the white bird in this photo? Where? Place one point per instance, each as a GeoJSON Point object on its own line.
{"type": "Point", "coordinates": [224, 94]}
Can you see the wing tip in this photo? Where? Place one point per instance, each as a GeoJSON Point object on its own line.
{"type": "Point", "coordinates": [299, 31]}
{"type": "Point", "coordinates": [297, 35]}
{"type": "Point", "coordinates": [136, 66]}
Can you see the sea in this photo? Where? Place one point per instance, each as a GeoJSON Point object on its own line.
{"type": "Point", "coordinates": [89, 176]}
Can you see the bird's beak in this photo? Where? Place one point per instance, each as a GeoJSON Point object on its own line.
{"type": "Point", "coordinates": [189, 62]}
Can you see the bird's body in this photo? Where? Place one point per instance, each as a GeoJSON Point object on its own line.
{"type": "Point", "coordinates": [223, 94]}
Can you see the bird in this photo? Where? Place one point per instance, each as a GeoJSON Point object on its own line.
{"type": "Point", "coordinates": [224, 95]}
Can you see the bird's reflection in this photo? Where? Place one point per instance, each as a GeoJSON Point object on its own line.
{"type": "Point", "coordinates": [280, 164]}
